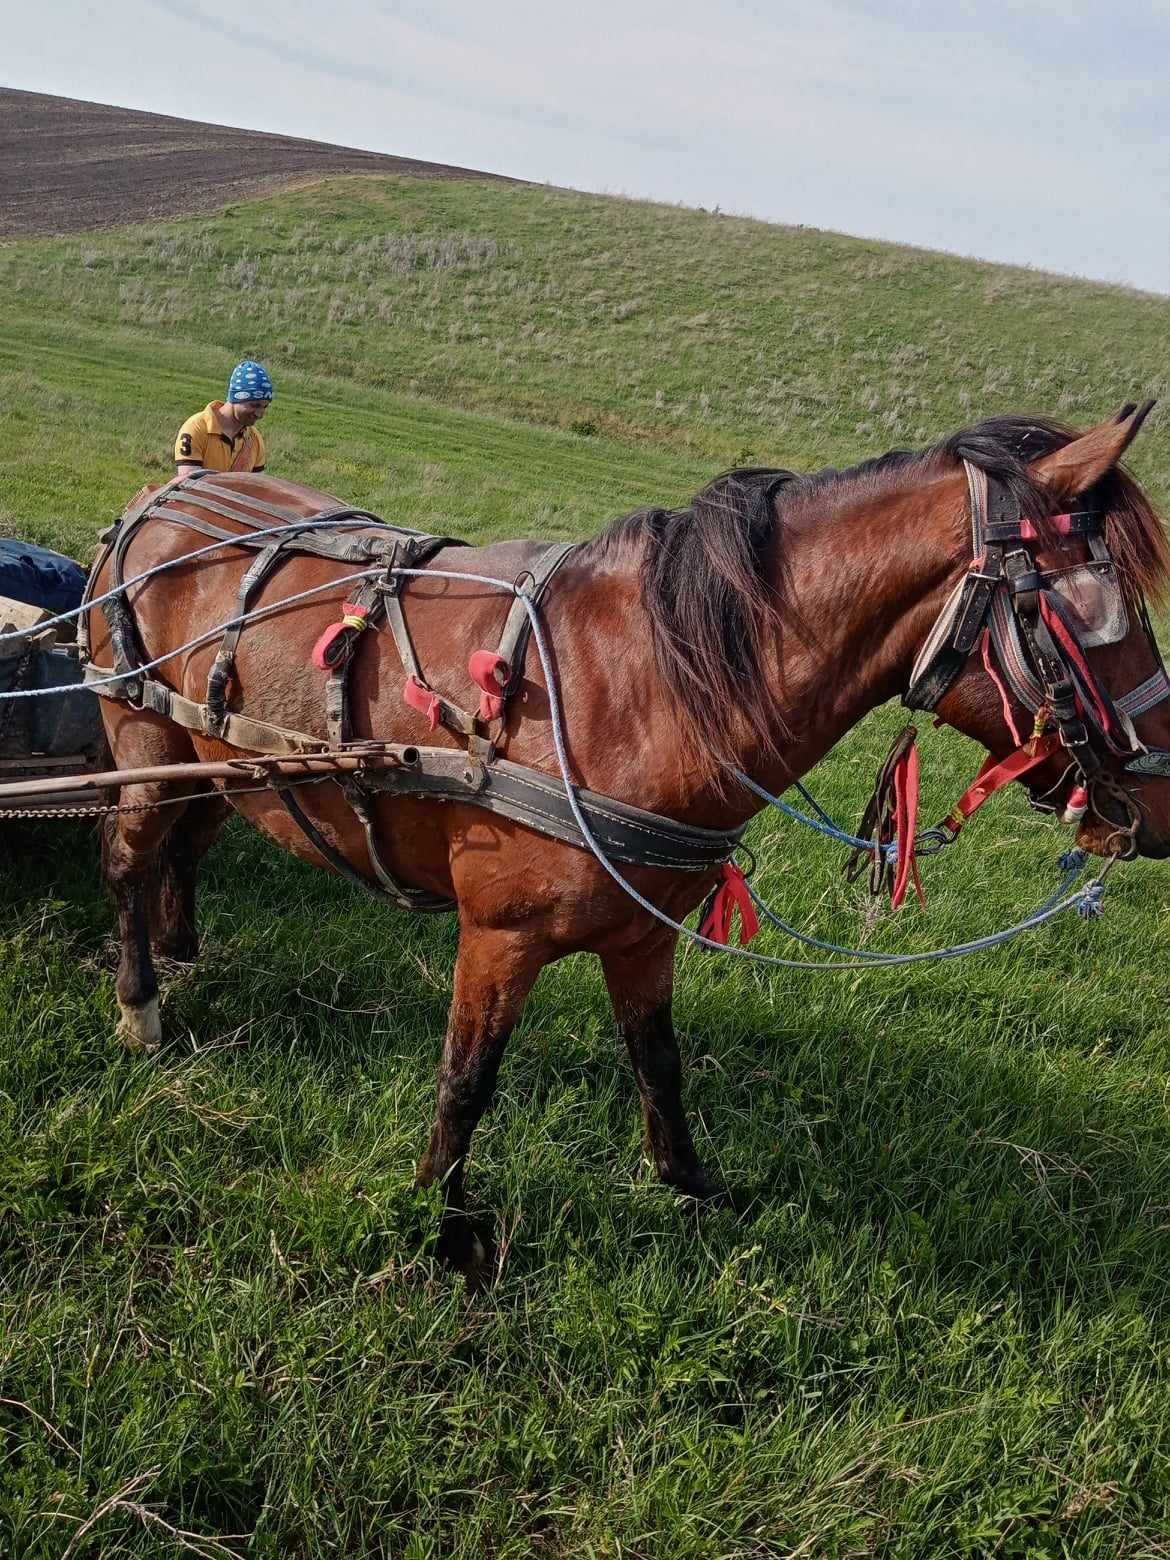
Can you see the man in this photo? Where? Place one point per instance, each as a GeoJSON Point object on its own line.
{"type": "Point", "coordinates": [224, 435]}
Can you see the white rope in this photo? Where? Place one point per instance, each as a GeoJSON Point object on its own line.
{"type": "Point", "coordinates": [251, 616]}
{"type": "Point", "coordinates": [172, 563]}
{"type": "Point", "coordinates": [864, 961]}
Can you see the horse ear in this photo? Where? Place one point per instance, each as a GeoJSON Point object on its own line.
{"type": "Point", "coordinates": [1073, 469]}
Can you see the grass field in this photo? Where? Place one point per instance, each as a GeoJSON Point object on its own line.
{"type": "Point", "coordinates": [936, 1322]}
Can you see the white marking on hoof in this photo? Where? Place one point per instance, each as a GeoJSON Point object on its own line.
{"type": "Point", "coordinates": [140, 1028]}
{"type": "Point", "coordinates": [478, 1254]}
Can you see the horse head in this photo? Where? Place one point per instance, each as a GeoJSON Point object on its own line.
{"type": "Point", "coordinates": [1058, 652]}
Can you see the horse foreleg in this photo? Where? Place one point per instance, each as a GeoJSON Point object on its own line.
{"type": "Point", "coordinates": [130, 859]}
{"type": "Point", "coordinates": [173, 933]}
{"type": "Point", "coordinates": [640, 983]}
{"type": "Point", "coordinates": [494, 973]}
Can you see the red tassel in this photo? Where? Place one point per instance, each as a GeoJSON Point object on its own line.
{"type": "Point", "coordinates": [905, 826]}
{"type": "Point", "coordinates": [423, 700]}
{"type": "Point", "coordinates": [730, 895]}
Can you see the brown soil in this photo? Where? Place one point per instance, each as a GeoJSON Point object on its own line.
{"type": "Point", "coordinates": [68, 166]}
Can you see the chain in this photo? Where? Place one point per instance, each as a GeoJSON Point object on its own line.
{"type": "Point", "coordinates": [102, 809]}
{"type": "Point", "coordinates": [97, 810]}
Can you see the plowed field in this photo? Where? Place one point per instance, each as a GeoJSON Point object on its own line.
{"type": "Point", "coordinates": [68, 166]}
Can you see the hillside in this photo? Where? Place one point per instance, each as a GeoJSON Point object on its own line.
{"type": "Point", "coordinates": [704, 338]}
{"type": "Point", "coordinates": [67, 166]}
{"type": "Point", "coordinates": [933, 1321]}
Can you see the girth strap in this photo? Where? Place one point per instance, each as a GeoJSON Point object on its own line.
{"type": "Point", "coordinates": [387, 886]}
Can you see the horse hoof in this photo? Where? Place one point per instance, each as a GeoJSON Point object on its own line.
{"type": "Point", "coordinates": [140, 1028]}
{"type": "Point", "coordinates": [461, 1247]}
{"type": "Point", "coordinates": [701, 1187]}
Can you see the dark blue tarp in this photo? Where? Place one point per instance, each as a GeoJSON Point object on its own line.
{"type": "Point", "coordinates": [38, 577]}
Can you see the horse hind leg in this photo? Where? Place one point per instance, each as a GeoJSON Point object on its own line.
{"type": "Point", "coordinates": [131, 844]}
{"type": "Point", "coordinates": [173, 933]}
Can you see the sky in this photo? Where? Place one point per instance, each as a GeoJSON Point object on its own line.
{"type": "Point", "coordinates": [1034, 133]}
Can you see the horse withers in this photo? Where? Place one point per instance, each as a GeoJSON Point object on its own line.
{"type": "Point", "coordinates": [747, 631]}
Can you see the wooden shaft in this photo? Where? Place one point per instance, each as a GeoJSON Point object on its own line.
{"type": "Point", "coordinates": [242, 769]}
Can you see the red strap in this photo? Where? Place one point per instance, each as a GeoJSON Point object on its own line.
{"type": "Point", "coordinates": [489, 671]}
{"type": "Point", "coordinates": [1061, 524]}
{"type": "Point", "coordinates": [1056, 625]}
{"type": "Point", "coordinates": [731, 895]}
{"type": "Point", "coordinates": [997, 773]}
{"type": "Point", "coordinates": [423, 700]}
{"type": "Point", "coordinates": [989, 667]}
{"type": "Point", "coordinates": [354, 617]}
{"type": "Point", "coordinates": [492, 673]}
{"type": "Point", "coordinates": [905, 826]}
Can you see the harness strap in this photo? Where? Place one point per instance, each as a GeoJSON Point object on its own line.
{"type": "Point", "coordinates": [404, 894]}
{"type": "Point", "coordinates": [452, 715]}
{"type": "Point", "coordinates": [360, 548]}
{"type": "Point", "coordinates": [256, 736]}
{"type": "Point", "coordinates": [397, 894]}
{"type": "Point", "coordinates": [995, 774]}
{"type": "Point", "coordinates": [513, 645]}
{"type": "Point", "coordinates": [361, 611]}
{"type": "Point", "coordinates": [223, 667]}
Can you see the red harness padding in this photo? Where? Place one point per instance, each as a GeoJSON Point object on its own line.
{"type": "Point", "coordinates": [905, 826]}
{"type": "Point", "coordinates": [492, 673]}
{"type": "Point", "coordinates": [731, 894]}
{"type": "Point", "coordinates": [338, 639]}
{"type": "Point", "coordinates": [423, 700]}
{"type": "Point", "coordinates": [996, 773]}
{"type": "Point", "coordinates": [1061, 524]}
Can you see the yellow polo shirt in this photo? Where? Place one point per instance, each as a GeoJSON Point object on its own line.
{"type": "Point", "coordinates": [201, 442]}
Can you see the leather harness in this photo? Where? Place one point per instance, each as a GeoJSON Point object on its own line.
{"type": "Point", "coordinates": [473, 773]}
{"type": "Point", "coordinates": [1003, 600]}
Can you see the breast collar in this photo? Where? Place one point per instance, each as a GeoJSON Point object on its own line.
{"type": "Point", "coordinates": [1037, 643]}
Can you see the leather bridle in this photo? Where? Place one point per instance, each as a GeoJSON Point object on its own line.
{"type": "Point", "coordinates": [1031, 639]}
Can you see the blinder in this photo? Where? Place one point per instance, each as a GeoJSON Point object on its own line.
{"type": "Point", "coordinates": [1093, 595]}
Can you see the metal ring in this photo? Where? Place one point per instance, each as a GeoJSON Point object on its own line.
{"type": "Point", "coordinates": [750, 854]}
{"type": "Point", "coordinates": [928, 842]}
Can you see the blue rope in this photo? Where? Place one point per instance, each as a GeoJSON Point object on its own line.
{"type": "Point", "coordinates": [1087, 904]}
{"type": "Point", "coordinates": [826, 827]}
{"type": "Point", "coordinates": [932, 839]}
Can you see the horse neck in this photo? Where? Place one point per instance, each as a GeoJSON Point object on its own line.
{"type": "Point", "coordinates": [867, 578]}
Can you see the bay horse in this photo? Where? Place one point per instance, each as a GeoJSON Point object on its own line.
{"type": "Point", "coordinates": [749, 630]}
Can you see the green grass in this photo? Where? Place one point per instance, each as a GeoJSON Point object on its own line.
{"type": "Point", "coordinates": [936, 1322]}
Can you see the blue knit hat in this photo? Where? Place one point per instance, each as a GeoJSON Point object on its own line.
{"type": "Point", "coordinates": [249, 382]}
